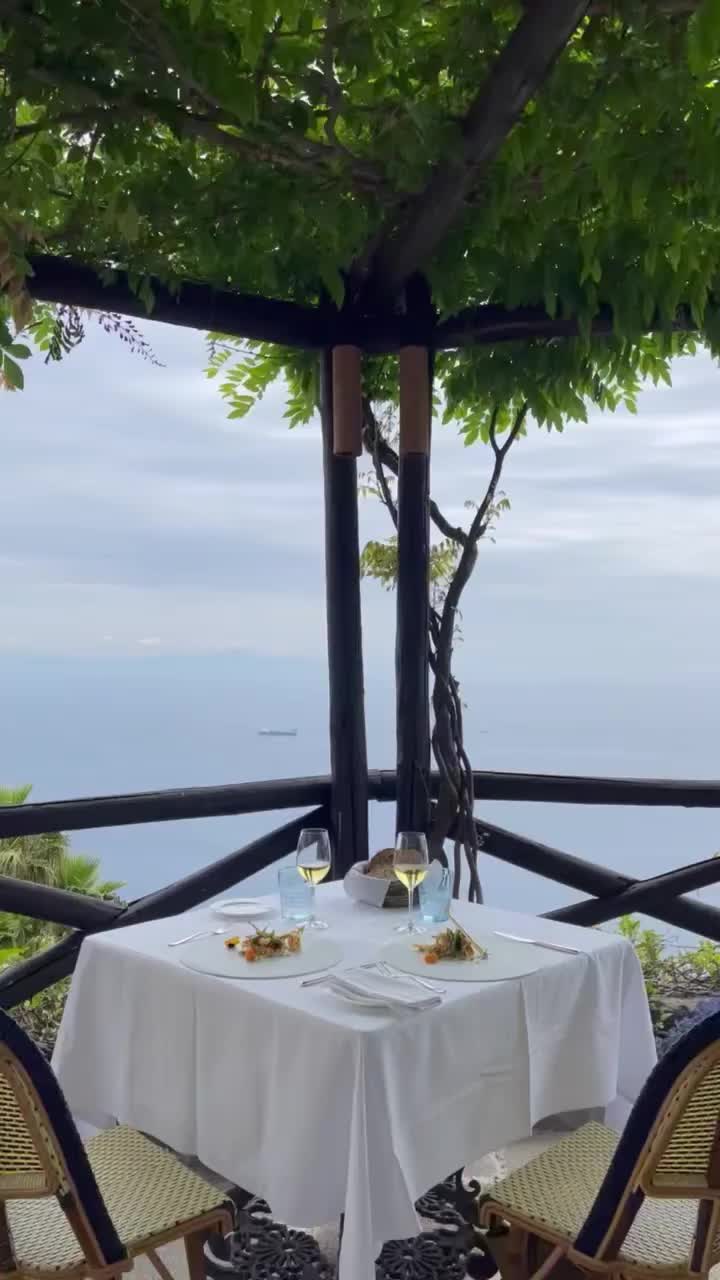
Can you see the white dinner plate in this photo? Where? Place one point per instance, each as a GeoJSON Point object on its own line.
{"type": "Point", "coordinates": [210, 955]}
{"type": "Point", "coordinates": [241, 909]}
{"type": "Point", "coordinates": [504, 960]}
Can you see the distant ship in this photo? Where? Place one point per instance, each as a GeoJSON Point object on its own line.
{"type": "Point", "coordinates": [277, 733]}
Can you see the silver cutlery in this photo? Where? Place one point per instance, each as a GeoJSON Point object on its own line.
{"type": "Point", "coordinates": [537, 942]}
{"type": "Point", "coordinates": [202, 933]}
{"type": "Point", "coordinates": [389, 971]}
{"type": "Point", "coordinates": [397, 1005]}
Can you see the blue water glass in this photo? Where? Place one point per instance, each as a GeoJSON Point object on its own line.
{"type": "Point", "coordinates": [297, 897]}
{"type": "Point", "coordinates": [435, 896]}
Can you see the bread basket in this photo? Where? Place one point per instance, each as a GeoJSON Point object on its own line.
{"type": "Point", "coordinates": [374, 882]}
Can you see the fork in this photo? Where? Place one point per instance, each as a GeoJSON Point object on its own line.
{"type": "Point", "coordinates": [389, 972]}
{"type": "Point", "coordinates": [203, 933]}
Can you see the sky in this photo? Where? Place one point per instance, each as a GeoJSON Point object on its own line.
{"type": "Point", "coordinates": [163, 596]}
{"type": "Point", "coordinates": [136, 518]}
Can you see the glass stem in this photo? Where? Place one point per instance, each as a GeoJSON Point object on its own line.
{"type": "Point", "coordinates": [410, 911]}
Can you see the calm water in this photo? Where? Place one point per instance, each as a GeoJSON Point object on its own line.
{"type": "Point", "coordinates": [79, 727]}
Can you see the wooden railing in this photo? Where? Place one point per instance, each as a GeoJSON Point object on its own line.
{"type": "Point", "coordinates": [609, 893]}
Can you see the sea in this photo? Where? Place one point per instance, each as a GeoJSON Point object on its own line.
{"type": "Point", "coordinates": [89, 726]}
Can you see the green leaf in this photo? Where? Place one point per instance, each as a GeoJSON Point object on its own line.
{"type": "Point", "coordinates": [300, 116]}
{"type": "Point", "coordinates": [221, 172]}
{"type": "Point", "coordinates": [13, 373]}
{"type": "Point", "coordinates": [638, 197]}
{"type": "Point", "coordinates": [19, 350]}
{"type": "Point", "coordinates": [146, 295]}
{"type": "Point", "coordinates": [244, 405]}
{"type": "Point", "coordinates": [703, 41]}
{"type": "Point", "coordinates": [334, 283]}
{"type": "Point", "coordinates": [129, 222]}
{"type": "Point", "coordinates": [244, 100]}
{"type": "Point", "coordinates": [259, 17]}
{"type": "Point", "coordinates": [673, 254]}
{"type": "Point", "coordinates": [550, 300]}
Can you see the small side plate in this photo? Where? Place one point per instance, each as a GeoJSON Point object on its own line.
{"type": "Point", "coordinates": [241, 909]}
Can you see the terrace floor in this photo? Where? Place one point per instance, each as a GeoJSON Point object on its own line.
{"type": "Point", "coordinates": [270, 1251]}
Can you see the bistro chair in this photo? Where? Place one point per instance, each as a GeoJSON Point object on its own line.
{"type": "Point", "coordinates": [69, 1208]}
{"type": "Point", "coordinates": [645, 1204]}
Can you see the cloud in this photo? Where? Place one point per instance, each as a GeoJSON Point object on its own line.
{"type": "Point", "coordinates": [134, 516]}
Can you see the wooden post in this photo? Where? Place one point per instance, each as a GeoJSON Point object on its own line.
{"type": "Point", "coordinates": [413, 590]}
{"type": "Point", "coordinates": [348, 751]}
{"type": "Point", "coordinates": [347, 401]}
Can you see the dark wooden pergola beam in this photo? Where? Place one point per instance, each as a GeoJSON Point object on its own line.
{"type": "Point", "coordinates": [480, 326]}
{"type": "Point", "coordinates": [240, 315]}
{"type": "Point", "coordinates": [517, 74]}
{"type": "Point", "coordinates": [64, 281]}
{"type": "Point", "coordinates": [194, 306]}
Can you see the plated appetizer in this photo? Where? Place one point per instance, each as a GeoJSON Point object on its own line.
{"type": "Point", "coordinates": [451, 944]}
{"type": "Point", "coordinates": [265, 944]}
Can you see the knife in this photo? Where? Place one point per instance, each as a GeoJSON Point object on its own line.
{"type": "Point", "coordinates": [536, 942]}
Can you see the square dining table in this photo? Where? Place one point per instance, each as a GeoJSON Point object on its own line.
{"type": "Point", "coordinates": [323, 1108]}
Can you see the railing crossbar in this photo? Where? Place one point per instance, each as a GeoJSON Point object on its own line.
{"type": "Point", "coordinates": [183, 803]}
{"type": "Point", "coordinates": [24, 980]}
{"type": "Point", "coordinates": [613, 894]}
{"type": "Point", "coordinates": [610, 893]}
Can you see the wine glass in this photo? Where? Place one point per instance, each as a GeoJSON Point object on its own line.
{"type": "Point", "coordinates": [313, 861]}
{"type": "Point", "coordinates": [410, 865]}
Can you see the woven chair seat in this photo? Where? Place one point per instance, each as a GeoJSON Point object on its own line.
{"type": "Point", "coordinates": [148, 1192]}
{"type": "Point", "coordinates": [554, 1192]}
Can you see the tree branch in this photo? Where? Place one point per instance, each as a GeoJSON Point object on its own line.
{"type": "Point", "coordinates": [376, 444]}
{"type": "Point", "coordinates": [66, 119]}
{"type": "Point", "coordinates": [517, 426]}
{"type": "Point", "coordinates": [454, 811]}
{"type": "Point", "coordinates": [263, 63]}
{"type": "Point", "coordinates": [478, 527]}
{"type": "Point", "coordinates": [284, 152]}
{"type": "Point", "coordinates": [162, 49]}
{"type": "Point", "coordinates": [332, 88]}
{"type": "Point", "coordinates": [517, 74]}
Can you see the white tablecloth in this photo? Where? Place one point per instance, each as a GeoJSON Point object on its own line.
{"type": "Point", "coordinates": [323, 1108]}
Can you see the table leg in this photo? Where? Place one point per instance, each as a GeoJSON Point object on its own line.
{"type": "Point", "coordinates": [220, 1246]}
{"type": "Point", "coordinates": [195, 1254]}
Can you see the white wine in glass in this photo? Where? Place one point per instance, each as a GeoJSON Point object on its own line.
{"type": "Point", "coordinates": [410, 866]}
{"type": "Point", "coordinates": [315, 873]}
{"type": "Point", "coordinates": [313, 862]}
